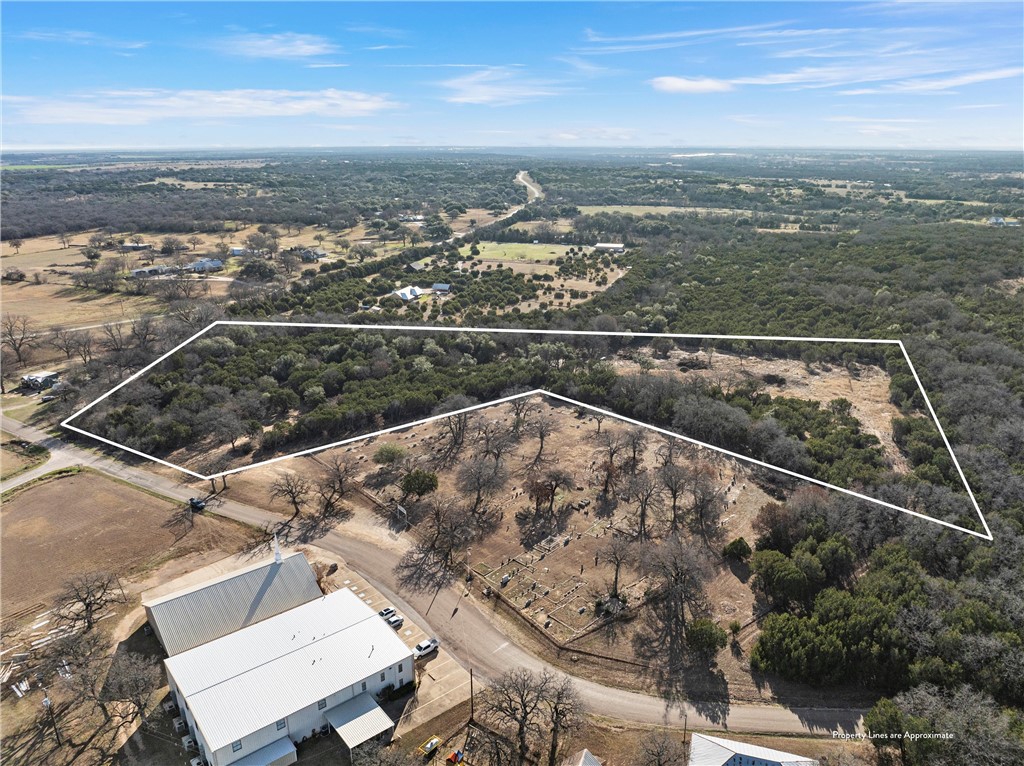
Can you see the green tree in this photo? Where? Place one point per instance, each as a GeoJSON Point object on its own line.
{"type": "Point", "coordinates": [418, 482]}
{"type": "Point", "coordinates": [705, 637]}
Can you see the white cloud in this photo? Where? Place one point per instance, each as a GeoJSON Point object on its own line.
{"type": "Point", "coordinates": [498, 86]}
{"type": "Point", "coordinates": [282, 45]}
{"type": "Point", "coordinates": [79, 37]}
{"type": "Point", "coordinates": [595, 37]}
{"type": "Point", "coordinates": [325, 65]}
{"type": "Point", "coordinates": [877, 120]}
{"type": "Point", "coordinates": [142, 107]}
{"type": "Point", "coordinates": [690, 85]}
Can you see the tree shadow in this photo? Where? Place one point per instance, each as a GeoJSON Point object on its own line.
{"type": "Point", "coordinates": [606, 505]}
{"type": "Point", "coordinates": [680, 675]}
{"type": "Point", "coordinates": [534, 527]}
{"type": "Point", "coordinates": [422, 570]}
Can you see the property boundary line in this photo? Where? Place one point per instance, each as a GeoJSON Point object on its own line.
{"type": "Point", "coordinates": [987, 535]}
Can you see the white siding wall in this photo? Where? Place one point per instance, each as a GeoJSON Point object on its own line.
{"type": "Point", "coordinates": [302, 722]}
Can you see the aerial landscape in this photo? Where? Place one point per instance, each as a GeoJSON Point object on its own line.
{"type": "Point", "coordinates": [512, 384]}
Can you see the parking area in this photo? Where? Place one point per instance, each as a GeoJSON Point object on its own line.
{"type": "Point", "coordinates": [443, 682]}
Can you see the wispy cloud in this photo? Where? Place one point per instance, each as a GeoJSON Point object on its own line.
{"type": "Point", "coordinates": [145, 106]}
{"type": "Point", "coordinates": [879, 120]}
{"type": "Point", "coordinates": [449, 66]}
{"type": "Point", "coordinates": [978, 106]}
{"type": "Point", "coordinates": [80, 37]}
{"type": "Point", "coordinates": [690, 85]}
{"type": "Point", "coordinates": [941, 84]}
{"type": "Point", "coordinates": [376, 29]}
{"type": "Point", "coordinates": [325, 65]}
{"type": "Point", "coordinates": [282, 45]}
{"type": "Point", "coordinates": [584, 68]}
{"type": "Point", "coordinates": [498, 86]}
{"type": "Point", "coordinates": [596, 37]}
{"type": "Point", "coordinates": [384, 47]}
{"type": "Point", "coordinates": [599, 135]}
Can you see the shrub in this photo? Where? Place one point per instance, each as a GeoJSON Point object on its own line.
{"type": "Point", "coordinates": [738, 549]}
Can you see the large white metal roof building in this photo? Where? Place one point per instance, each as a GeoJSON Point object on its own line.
{"type": "Point", "coordinates": [251, 678]}
{"type": "Point", "coordinates": [197, 615]}
{"type": "Point", "coordinates": [714, 751]}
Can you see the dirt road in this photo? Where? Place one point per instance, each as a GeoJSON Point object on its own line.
{"type": "Point", "coordinates": [533, 190]}
{"type": "Point", "coordinates": [463, 627]}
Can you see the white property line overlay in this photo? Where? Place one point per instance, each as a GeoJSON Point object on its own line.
{"type": "Point", "coordinates": [507, 330]}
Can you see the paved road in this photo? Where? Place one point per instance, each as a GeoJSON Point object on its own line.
{"type": "Point", "coordinates": [533, 190]}
{"type": "Point", "coordinates": [462, 625]}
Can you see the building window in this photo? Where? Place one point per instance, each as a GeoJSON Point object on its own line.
{"type": "Point", "coordinates": [236, 746]}
{"type": "Point", "coordinates": [399, 667]}
{"type": "Point", "coordinates": [281, 724]}
{"type": "Point", "coordinates": [364, 685]}
{"type": "Point", "coordinates": [382, 677]}
{"type": "Point", "coordinates": [321, 704]}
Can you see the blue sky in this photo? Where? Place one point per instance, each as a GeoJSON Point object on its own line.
{"type": "Point", "coordinates": [173, 75]}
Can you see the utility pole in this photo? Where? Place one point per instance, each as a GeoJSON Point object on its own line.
{"type": "Point", "coordinates": [49, 709]}
{"type": "Point", "coordinates": [471, 695]}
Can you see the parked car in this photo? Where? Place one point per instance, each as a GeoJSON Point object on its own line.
{"type": "Point", "coordinates": [429, 746]}
{"type": "Point", "coordinates": [196, 503]}
{"type": "Point", "coordinates": [396, 621]}
{"type": "Point", "coordinates": [387, 612]}
{"type": "Point", "coordinates": [425, 647]}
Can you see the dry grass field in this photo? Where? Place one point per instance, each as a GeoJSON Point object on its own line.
{"type": "Point", "coordinates": [71, 524]}
{"type": "Point", "coordinates": [61, 305]}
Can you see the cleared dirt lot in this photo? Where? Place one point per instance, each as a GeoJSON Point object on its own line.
{"type": "Point", "coordinates": [72, 524]}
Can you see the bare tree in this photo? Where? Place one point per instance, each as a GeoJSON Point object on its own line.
{"type": "Point", "coordinates": [293, 488]}
{"type": "Point", "coordinates": [676, 480]}
{"type": "Point", "coordinates": [646, 493]}
{"type": "Point", "coordinates": [333, 484]}
{"type": "Point", "coordinates": [453, 428]}
{"type": "Point", "coordinates": [522, 408]}
{"type": "Point", "coordinates": [540, 428]}
{"type": "Point", "coordinates": [82, 599]}
{"type": "Point", "coordinates": [143, 333]}
{"type": "Point", "coordinates": [195, 240]}
{"type": "Point", "coordinates": [620, 551]}
{"type": "Point", "coordinates": [83, 345]}
{"type": "Point", "coordinates": [706, 507]}
{"type": "Point", "coordinates": [18, 333]}
{"type": "Point", "coordinates": [447, 527]}
{"type": "Point", "coordinates": [481, 477]}
{"type": "Point", "coordinates": [193, 315]}
{"type": "Point", "coordinates": [564, 711]}
{"type": "Point", "coordinates": [610, 444]}
{"type": "Point", "coordinates": [116, 338]}
{"type": "Point", "coordinates": [515, 702]}
{"type": "Point", "coordinates": [661, 750]}
{"type": "Point", "coordinates": [131, 681]}
{"type": "Point", "coordinates": [599, 418]}
{"type": "Point", "coordinates": [636, 443]}
{"type": "Point", "coordinates": [63, 340]}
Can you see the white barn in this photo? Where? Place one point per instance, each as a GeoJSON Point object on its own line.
{"type": "Point", "coordinates": [715, 751]}
{"type": "Point", "coordinates": [190, 617]}
{"type": "Point", "coordinates": [250, 696]}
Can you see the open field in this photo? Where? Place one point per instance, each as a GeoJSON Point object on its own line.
{"type": "Point", "coordinates": [519, 251]}
{"type": "Point", "coordinates": [107, 526]}
{"type": "Point", "coordinates": [15, 457]}
{"type": "Point", "coordinates": [49, 305]}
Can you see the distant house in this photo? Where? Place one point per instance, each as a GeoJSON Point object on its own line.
{"type": "Point", "coordinates": [441, 288]}
{"type": "Point", "coordinates": [312, 255]}
{"type": "Point", "coordinates": [411, 218]}
{"type": "Point", "coordinates": [417, 266]}
{"type": "Point", "coordinates": [149, 271]}
{"type": "Point", "coordinates": [239, 251]}
{"type": "Point", "coordinates": [408, 293]}
{"type": "Point", "coordinates": [205, 266]}
{"type": "Point", "coordinates": [714, 751]}
{"type": "Point", "coordinates": [39, 381]}
{"type": "Point", "coordinates": [137, 246]}
{"type": "Point", "coordinates": [996, 221]}
{"type": "Point", "coordinates": [611, 247]}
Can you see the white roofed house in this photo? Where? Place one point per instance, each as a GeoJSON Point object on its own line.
{"type": "Point", "coordinates": [715, 751]}
{"type": "Point", "coordinates": [408, 293]}
{"type": "Point", "coordinates": [612, 247]}
{"type": "Point", "coordinates": [249, 696]}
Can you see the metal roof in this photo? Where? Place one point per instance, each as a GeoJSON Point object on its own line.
{"type": "Point", "coordinates": [358, 720]}
{"type": "Point", "coordinates": [261, 674]}
{"type": "Point", "coordinates": [267, 754]}
{"type": "Point", "coordinates": [714, 751]}
{"type": "Point", "coordinates": [583, 758]}
{"type": "Point", "coordinates": [189, 618]}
